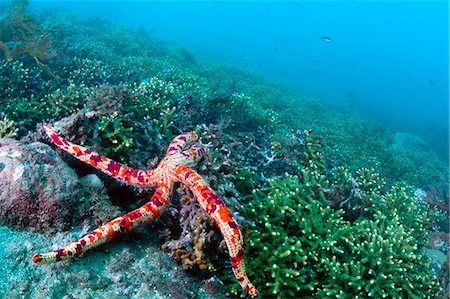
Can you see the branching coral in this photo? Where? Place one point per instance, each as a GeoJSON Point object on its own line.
{"type": "Point", "coordinates": [7, 129]}
{"type": "Point", "coordinates": [114, 138]}
{"type": "Point", "coordinates": [64, 102]}
{"type": "Point", "coordinates": [299, 246]}
{"type": "Point", "coordinates": [89, 72]}
{"type": "Point", "coordinates": [28, 98]}
{"type": "Point", "coordinates": [154, 98]}
{"type": "Point", "coordinates": [291, 234]}
{"type": "Point", "coordinates": [385, 257]}
{"type": "Point", "coordinates": [17, 81]}
{"type": "Point", "coordinates": [248, 113]}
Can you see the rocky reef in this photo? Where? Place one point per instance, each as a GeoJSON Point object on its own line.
{"type": "Point", "coordinates": [38, 190]}
{"type": "Point", "coordinates": [345, 208]}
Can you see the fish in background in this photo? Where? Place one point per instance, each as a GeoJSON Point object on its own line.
{"type": "Point", "coordinates": [439, 103]}
{"type": "Point", "coordinates": [326, 39]}
{"type": "Point", "coordinates": [432, 83]}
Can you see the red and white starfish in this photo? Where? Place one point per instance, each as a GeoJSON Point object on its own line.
{"type": "Point", "coordinates": [184, 152]}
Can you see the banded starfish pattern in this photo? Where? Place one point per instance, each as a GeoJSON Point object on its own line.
{"type": "Point", "coordinates": [184, 152]}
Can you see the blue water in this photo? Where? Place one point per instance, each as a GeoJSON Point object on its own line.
{"type": "Point", "coordinates": [386, 59]}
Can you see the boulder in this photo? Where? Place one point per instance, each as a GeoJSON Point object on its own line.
{"type": "Point", "coordinates": [38, 191]}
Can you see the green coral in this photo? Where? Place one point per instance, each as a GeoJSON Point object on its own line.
{"type": "Point", "coordinates": [154, 103]}
{"type": "Point", "coordinates": [246, 111]}
{"type": "Point", "coordinates": [383, 262]}
{"type": "Point", "coordinates": [7, 128]}
{"type": "Point", "coordinates": [63, 102]}
{"type": "Point", "coordinates": [368, 180]}
{"type": "Point", "coordinates": [291, 235]}
{"type": "Point", "coordinates": [27, 98]}
{"type": "Point", "coordinates": [384, 258]}
{"type": "Point", "coordinates": [244, 180]}
{"type": "Point", "coordinates": [115, 139]}
{"type": "Point", "coordinates": [17, 80]}
{"type": "Point", "coordinates": [439, 219]}
{"type": "Point", "coordinates": [299, 246]}
{"type": "Point", "coordinates": [89, 71]}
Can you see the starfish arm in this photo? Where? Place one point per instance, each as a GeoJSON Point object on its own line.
{"type": "Point", "coordinates": [216, 208]}
{"type": "Point", "coordinates": [180, 142]}
{"type": "Point", "coordinates": [105, 233]}
{"type": "Point", "coordinates": [136, 177]}
{"type": "Point", "coordinates": [188, 157]}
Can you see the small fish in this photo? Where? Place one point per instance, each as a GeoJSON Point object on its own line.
{"type": "Point", "coordinates": [432, 82]}
{"type": "Point", "coordinates": [326, 39]}
{"type": "Point", "coordinates": [439, 103]}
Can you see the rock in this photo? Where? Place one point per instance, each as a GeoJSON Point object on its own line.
{"type": "Point", "coordinates": [92, 181]}
{"type": "Point", "coordinates": [128, 268]}
{"type": "Point", "coordinates": [436, 256]}
{"type": "Point", "coordinates": [37, 189]}
{"type": "Point", "coordinates": [96, 199]}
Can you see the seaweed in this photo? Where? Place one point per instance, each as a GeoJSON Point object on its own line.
{"type": "Point", "coordinates": [21, 34]}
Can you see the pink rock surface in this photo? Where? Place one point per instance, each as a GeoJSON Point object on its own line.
{"type": "Point", "coordinates": [38, 191]}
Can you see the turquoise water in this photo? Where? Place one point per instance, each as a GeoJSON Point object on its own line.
{"type": "Point", "coordinates": [386, 59]}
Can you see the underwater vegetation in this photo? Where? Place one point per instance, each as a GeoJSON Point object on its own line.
{"type": "Point", "coordinates": [335, 235]}
{"type": "Point", "coordinates": [7, 129]}
{"type": "Point", "coordinates": [20, 33]}
{"type": "Point", "coordinates": [330, 204]}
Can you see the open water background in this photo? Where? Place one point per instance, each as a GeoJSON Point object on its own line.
{"type": "Point", "coordinates": [386, 59]}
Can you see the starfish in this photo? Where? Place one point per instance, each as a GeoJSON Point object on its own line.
{"type": "Point", "coordinates": [184, 151]}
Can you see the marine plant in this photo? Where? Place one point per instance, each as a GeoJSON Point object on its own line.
{"type": "Point", "coordinates": [301, 246]}
{"type": "Point", "coordinates": [17, 80]}
{"type": "Point", "coordinates": [21, 34]}
{"type": "Point", "coordinates": [7, 128]}
{"type": "Point", "coordinates": [114, 138]}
